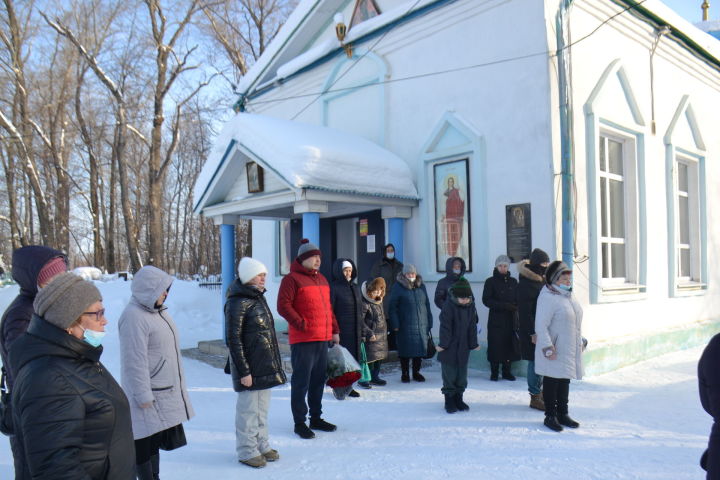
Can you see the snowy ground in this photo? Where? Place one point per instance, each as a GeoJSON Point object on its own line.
{"type": "Point", "coordinates": [641, 422]}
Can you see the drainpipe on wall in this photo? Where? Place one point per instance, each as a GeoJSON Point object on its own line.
{"type": "Point", "coordinates": [566, 147]}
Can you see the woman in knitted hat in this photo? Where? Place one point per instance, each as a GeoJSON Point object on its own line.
{"type": "Point", "coordinates": [558, 352]}
{"type": "Point", "coordinates": [411, 319]}
{"type": "Point", "coordinates": [152, 373]}
{"type": "Point", "coordinates": [70, 413]}
{"type": "Point", "coordinates": [458, 336]}
{"type": "Point", "coordinates": [254, 361]}
{"type": "Point", "coordinates": [374, 327]}
{"type": "Point", "coordinates": [500, 296]}
{"type": "Point", "coordinates": [346, 301]}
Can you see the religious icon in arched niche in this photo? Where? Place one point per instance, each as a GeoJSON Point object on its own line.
{"type": "Point", "coordinates": [452, 212]}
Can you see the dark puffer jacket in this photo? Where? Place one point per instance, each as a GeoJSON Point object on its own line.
{"type": "Point", "coordinates": [26, 265]}
{"type": "Point", "coordinates": [500, 296]}
{"type": "Point", "coordinates": [70, 413]}
{"type": "Point", "coordinates": [251, 339]}
{"type": "Point", "coordinates": [441, 291]}
{"type": "Point", "coordinates": [374, 324]}
{"type": "Point", "coordinates": [346, 302]}
{"type": "Point", "coordinates": [388, 270]}
{"type": "Point", "coordinates": [529, 287]}
{"type": "Point", "coordinates": [410, 314]}
{"type": "Point", "coordinates": [458, 331]}
{"type": "Point", "coordinates": [709, 385]}
{"type": "Point", "coordinates": [304, 302]}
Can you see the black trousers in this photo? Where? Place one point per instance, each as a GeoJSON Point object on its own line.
{"type": "Point", "coordinates": [309, 363]}
{"type": "Point", "coordinates": [555, 395]}
{"type": "Point", "coordinates": [405, 364]}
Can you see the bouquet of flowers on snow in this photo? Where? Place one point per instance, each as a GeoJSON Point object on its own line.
{"type": "Point", "coordinates": [342, 371]}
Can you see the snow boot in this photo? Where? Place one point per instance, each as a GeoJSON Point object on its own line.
{"type": "Point", "coordinates": [450, 406]}
{"type": "Point", "coordinates": [302, 431]}
{"type": "Point", "coordinates": [155, 462]}
{"type": "Point", "coordinates": [461, 406]}
{"type": "Point", "coordinates": [416, 363]}
{"type": "Point", "coordinates": [322, 425]}
{"type": "Point", "coordinates": [536, 402]}
{"type": "Point", "coordinates": [271, 455]}
{"type": "Point", "coordinates": [144, 471]}
{"type": "Point", "coordinates": [564, 419]}
{"type": "Point", "coordinates": [378, 381]}
{"type": "Point", "coordinates": [552, 423]}
{"type": "Point", "coordinates": [405, 368]}
{"type": "Point", "coordinates": [353, 394]}
{"type": "Point", "coordinates": [507, 373]}
{"type": "Point", "coordinates": [365, 385]}
{"type": "Point", "coordinates": [255, 462]}
{"type": "Point", "coordinates": [494, 369]}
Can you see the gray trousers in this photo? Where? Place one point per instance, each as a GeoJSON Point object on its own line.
{"type": "Point", "coordinates": [251, 432]}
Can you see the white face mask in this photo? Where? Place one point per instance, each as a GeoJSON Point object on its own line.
{"type": "Point", "coordinates": [390, 255]}
{"type": "Point", "coordinates": [456, 271]}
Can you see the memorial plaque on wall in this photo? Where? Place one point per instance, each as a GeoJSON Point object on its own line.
{"type": "Point", "coordinates": [517, 230]}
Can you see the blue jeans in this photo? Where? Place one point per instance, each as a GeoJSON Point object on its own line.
{"type": "Point", "coordinates": [534, 381]}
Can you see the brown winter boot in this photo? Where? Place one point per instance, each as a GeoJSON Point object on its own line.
{"type": "Point", "coordinates": [536, 402]}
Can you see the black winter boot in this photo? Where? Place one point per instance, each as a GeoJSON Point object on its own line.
{"type": "Point", "coordinates": [494, 370]}
{"type": "Point", "coordinates": [144, 471]}
{"type": "Point", "coordinates": [552, 423]}
{"type": "Point", "coordinates": [461, 406]}
{"type": "Point", "coordinates": [405, 369]}
{"type": "Point", "coordinates": [155, 462]}
{"type": "Point", "coordinates": [565, 419]}
{"type": "Point", "coordinates": [506, 372]}
{"type": "Point", "coordinates": [416, 363]}
{"type": "Point", "coordinates": [450, 405]}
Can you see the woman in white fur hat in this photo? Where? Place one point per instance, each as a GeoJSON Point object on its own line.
{"type": "Point", "coordinates": [254, 361]}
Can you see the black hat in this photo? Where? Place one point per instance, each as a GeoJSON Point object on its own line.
{"type": "Point", "coordinates": [538, 256]}
{"type": "Point", "coordinates": [461, 288]}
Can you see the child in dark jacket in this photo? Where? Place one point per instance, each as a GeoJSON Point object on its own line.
{"type": "Point", "coordinates": [458, 335]}
{"type": "Point", "coordinates": [375, 328]}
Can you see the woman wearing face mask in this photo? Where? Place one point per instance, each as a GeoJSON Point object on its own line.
{"type": "Point", "coordinates": [347, 306]}
{"type": "Point", "coordinates": [388, 267]}
{"type": "Point", "coordinates": [152, 374]}
{"type": "Point", "coordinates": [454, 269]}
{"type": "Point", "coordinates": [70, 413]}
{"type": "Point", "coordinates": [411, 319]}
{"type": "Point", "coordinates": [558, 352]}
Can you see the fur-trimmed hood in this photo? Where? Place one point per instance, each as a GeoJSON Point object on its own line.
{"type": "Point", "coordinates": [524, 271]}
{"type": "Point", "coordinates": [363, 289]}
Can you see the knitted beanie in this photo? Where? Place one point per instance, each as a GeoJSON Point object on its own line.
{"type": "Point", "coordinates": [461, 288]}
{"type": "Point", "coordinates": [65, 299]}
{"type": "Point", "coordinates": [345, 265]}
{"type": "Point", "coordinates": [307, 250]}
{"type": "Point", "coordinates": [538, 256]}
{"type": "Point", "coordinates": [54, 266]}
{"type": "Point", "coordinates": [502, 260]}
{"type": "Point", "coordinates": [554, 270]}
{"type": "Point", "coordinates": [249, 268]}
{"type": "Point", "coordinates": [409, 268]}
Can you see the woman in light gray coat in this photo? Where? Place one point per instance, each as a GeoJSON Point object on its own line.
{"type": "Point", "coordinates": [152, 374]}
{"type": "Point", "coordinates": [558, 352]}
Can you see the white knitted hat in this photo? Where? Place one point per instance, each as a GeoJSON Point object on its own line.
{"type": "Point", "coordinates": [249, 268]}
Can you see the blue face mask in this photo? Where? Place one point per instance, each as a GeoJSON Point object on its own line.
{"type": "Point", "coordinates": [566, 288]}
{"type": "Point", "coordinates": [390, 255]}
{"type": "Point", "coordinates": [92, 337]}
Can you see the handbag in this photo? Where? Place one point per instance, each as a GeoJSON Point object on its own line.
{"type": "Point", "coordinates": [431, 350]}
{"type": "Point", "coordinates": [172, 438]}
{"type": "Point", "coordinates": [365, 375]}
{"type": "Point", "coordinates": [6, 417]}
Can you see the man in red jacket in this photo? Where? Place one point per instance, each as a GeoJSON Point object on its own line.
{"type": "Point", "coordinates": [304, 302]}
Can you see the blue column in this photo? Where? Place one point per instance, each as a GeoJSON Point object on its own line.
{"type": "Point", "coordinates": [227, 256]}
{"type": "Point", "coordinates": [311, 227]}
{"type": "Point", "coordinates": [396, 229]}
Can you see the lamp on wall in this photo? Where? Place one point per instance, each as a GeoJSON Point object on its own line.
{"type": "Point", "coordinates": [341, 31]}
{"type": "Point", "coordinates": [705, 8]}
{"type": "Point", "coordinates": [659, 33]}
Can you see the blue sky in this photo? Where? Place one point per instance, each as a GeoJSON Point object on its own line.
{"type": "Point", "coordinates": [690, 9]}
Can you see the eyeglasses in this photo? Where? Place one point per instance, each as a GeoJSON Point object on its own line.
{"type": "Point", "coordinates": [98, 315]}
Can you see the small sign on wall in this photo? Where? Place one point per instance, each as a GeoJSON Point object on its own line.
{"type": "Point", "coordinates": [517, 231]}
{"type": "Point", "coordinates": [371, 244]}
{"type": "Point", "coordinates": [363, 227]}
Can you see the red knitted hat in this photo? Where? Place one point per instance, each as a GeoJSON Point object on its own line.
{"type": "Point", "coordinates": [52, 268]}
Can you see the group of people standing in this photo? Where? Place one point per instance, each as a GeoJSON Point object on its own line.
{"type": "Point", "coordinates": [71, 419]}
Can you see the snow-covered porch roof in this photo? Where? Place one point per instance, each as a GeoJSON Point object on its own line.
{"type": "Point", "coordinates": [304, 165]}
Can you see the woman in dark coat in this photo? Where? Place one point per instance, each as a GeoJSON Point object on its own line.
{"type": "Point", "coordinates": [500, 296]}
{"type": "Point", "coordinates": [532, 280]}
{"type": "Point", "coordinates": [709, 385]}
{"type": "Point", "coordinates": [375, 327]}
{"type": "Point", "coordinates": [454, 269]}
{"type": "Point", "coordinates": [254, 361]}
{"type": "Point", "coordinates": [347, 305]}
{"type": "Point", "coordinates": [69, 412]}
{"type": "Point", "coordinates": [388, 267]}
{"type": "Point", "coordinates": [411, 320]}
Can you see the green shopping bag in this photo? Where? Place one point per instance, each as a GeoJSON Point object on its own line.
{"type": "Point", "coordinates": [364, 368]}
